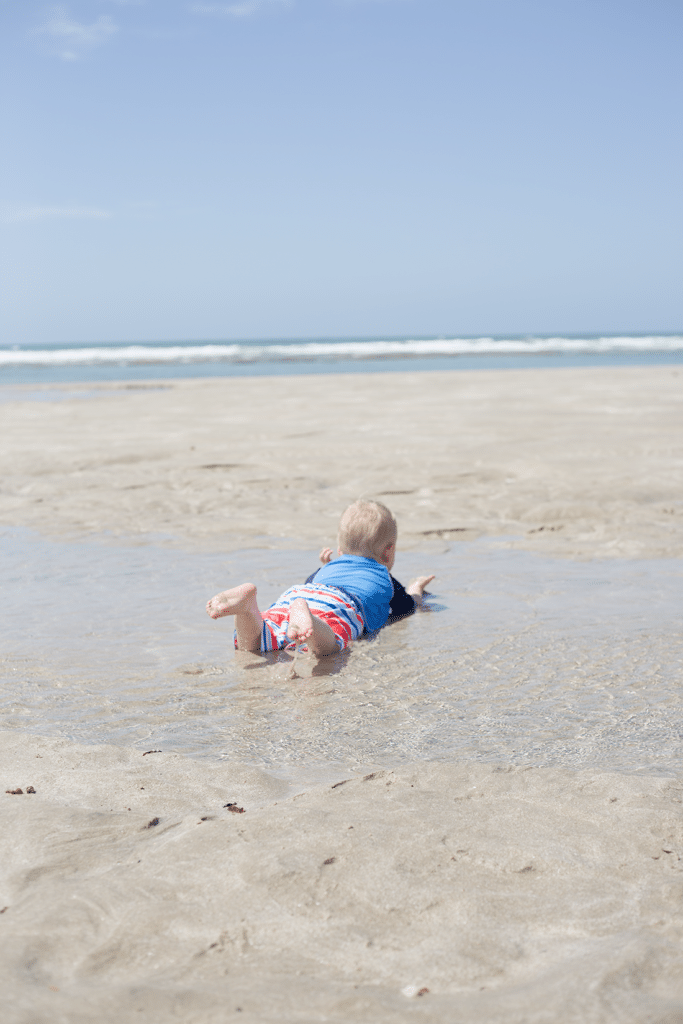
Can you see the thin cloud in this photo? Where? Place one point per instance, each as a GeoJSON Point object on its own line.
{"type": "Point", "coordinates": [350, 3]}
{"type": "Point", "coordinates": [239, 10]}
{"type": "Point", "coordinates": [16, 214]}
{"type": "Point", "coordinates": [74, 39]}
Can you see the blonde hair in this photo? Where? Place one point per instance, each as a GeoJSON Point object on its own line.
{"type": "Point", "coordinates": [367, 528]}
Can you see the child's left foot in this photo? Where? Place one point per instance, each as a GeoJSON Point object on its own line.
{"type": "Point", "coordinates": [300, 621]}
{"type": "Point", "coordinates": [237, 601]}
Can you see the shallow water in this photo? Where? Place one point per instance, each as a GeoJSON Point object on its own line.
{"type": "Point", "coordinates": [520, 660]}
{"type": "Point", "coordinates": [116, 368]}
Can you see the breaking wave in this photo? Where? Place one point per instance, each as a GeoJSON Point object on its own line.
{"type": "Point", "coordinates": [330, 350]}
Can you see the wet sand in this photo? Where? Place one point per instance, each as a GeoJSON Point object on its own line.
{"type": "Point", "coordinates": [148, 886]}
{"type": "Point", "coordinates": [445, 890]}
{"type": "Point", "coordinates": [584, 463]}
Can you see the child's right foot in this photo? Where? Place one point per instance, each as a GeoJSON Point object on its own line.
{"type": "Point", "coordinates": [233, 602]}
{"type": "Point", "coordinates": [300, 621]}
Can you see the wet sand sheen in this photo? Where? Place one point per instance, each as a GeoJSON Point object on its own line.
{"type": "Point", "coordinates": [144, 882]}
{"type": "Point", "coordinates": [521, 660]}
{"type": "Point", "coordinates": [501, 893]}
{"type": "Point", "coordinates": [577, 462]}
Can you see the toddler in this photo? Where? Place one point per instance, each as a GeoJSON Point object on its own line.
{"type": "Point", "coordinates": [350, 595]}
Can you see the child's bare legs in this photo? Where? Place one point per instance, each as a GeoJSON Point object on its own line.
{"type": "Point", "coordinates": [320, 637]}
{"type": "Point", "coordinates": [240, 602]}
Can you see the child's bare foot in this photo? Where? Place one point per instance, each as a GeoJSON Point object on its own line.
{"type": "Point", "coordinates": [300, 620]}
{"type": "Point", "coordinates": [237, 601]}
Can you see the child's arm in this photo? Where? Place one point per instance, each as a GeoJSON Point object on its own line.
{"type": "Point", "coordinates": [417, 589]}
{"type": "Point", "coordinates": [325, 556]}
{"type": "Point", "coordinates": [404, 602]}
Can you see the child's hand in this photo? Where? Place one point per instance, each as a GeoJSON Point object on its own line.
{"type": "Point", "coordinates": [325, 556]}
{"type": "Point", "coordinates": [418, 588]}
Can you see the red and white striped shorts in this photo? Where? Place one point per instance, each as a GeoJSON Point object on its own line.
{"type": "Point", "coordinates": [327, 603]}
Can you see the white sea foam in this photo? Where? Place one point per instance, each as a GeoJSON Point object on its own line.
{"type": "Point", "coordinates": [302, 351]}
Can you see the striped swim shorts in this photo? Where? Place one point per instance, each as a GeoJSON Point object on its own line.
{"type": "Point", "coordinates": [327, 603]}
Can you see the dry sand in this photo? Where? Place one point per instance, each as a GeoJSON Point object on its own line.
{"type": "Point", "coordinates": [538, 895]}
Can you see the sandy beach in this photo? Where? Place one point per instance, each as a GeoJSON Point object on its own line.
{"type": "Point", "coordinates": [576, 462]}
{"type": "Point", "coordinates": [132, 889]}
{"type": "Point", "coordinates": [143, 883]}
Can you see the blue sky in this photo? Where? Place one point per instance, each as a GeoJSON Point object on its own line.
{"type": "Point", "coordinates": [282, 168]}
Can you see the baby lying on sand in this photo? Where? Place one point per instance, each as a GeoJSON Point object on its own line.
{"type": "Point", "coordinates": [351, 595]}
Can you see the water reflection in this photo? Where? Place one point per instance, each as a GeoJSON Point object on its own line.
{"type": "Point", "coordinates": [522, 660]}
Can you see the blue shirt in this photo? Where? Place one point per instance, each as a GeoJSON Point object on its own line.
{"type": "Point", "coordinates": [367, 580]}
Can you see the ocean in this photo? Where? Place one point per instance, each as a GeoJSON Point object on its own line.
{"type": "Point", "coordinates": [83, 362]}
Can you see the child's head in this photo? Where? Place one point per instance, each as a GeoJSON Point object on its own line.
{"type": "Point", "coordinates": [368, 528]}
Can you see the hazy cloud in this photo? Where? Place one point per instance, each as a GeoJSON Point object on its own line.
{"type": "Point", "coordinates": [73, 39]}
{"type": "Point", "coordinates": [349, 3]}
{"type": "Point", "coordinates": [237, 10]}
{"type": "Point", "coordinates": [14, 214]}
